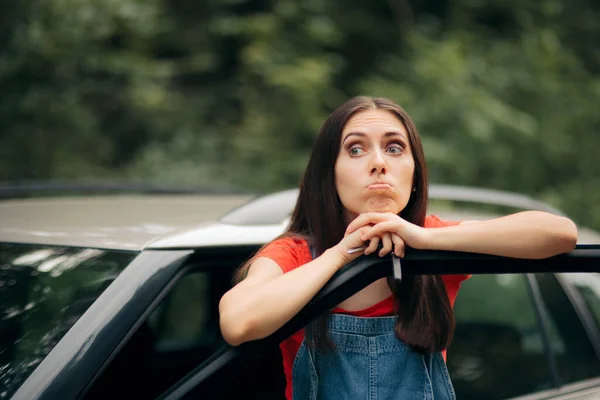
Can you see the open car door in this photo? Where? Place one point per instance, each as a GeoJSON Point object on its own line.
{"type": "Point", "coordinates": [216, 377]}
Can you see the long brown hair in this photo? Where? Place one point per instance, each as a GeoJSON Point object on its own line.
{"type": "Point", "coordinates": [425, 319]}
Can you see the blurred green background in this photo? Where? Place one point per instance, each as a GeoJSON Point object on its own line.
{"type": "Point", "coordinates": [231, 93]}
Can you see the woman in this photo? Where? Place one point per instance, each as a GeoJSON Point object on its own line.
{"type": "Point", "coordinates": [366, 185]}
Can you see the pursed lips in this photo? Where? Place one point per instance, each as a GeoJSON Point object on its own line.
{"type": "Point", "coordinates": [379, 185]}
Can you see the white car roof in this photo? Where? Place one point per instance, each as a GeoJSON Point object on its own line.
{"type": "Point", "coordinates": [116, 222]}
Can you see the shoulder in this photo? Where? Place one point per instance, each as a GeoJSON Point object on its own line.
{"type": "Point", "coordinates": [433, 221]}
{"type": "Point", "coordinates": [288, 252]}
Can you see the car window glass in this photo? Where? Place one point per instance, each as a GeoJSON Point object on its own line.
{"type": "Point", "coordinates": [184, 318]}
{"type": "Point", "coordinates": [498, 348]}
{"type": "Point", "coordinates": [570, 343]}
{"type": "Point", "coordinates": [44, 291]}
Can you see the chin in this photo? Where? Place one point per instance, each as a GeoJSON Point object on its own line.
{"type": "Point", "coordinates": [382, 205]}
{"type": "Point", "coordinates": [383, 210]}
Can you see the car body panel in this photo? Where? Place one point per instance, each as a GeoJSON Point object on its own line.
{"type": "Point", "coordinates": [220, 235]}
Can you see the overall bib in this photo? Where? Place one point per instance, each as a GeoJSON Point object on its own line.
{"type": "Point", "coordinates": [368, 363]}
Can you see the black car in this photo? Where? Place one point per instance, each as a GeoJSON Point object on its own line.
{"type": "Point", "coordinates": [117, 297]}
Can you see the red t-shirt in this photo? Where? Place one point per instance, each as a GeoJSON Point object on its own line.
{"type": "Point", "coordinates": [290, 253]}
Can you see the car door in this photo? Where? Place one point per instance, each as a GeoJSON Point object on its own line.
{"type": "Point", "coordinates": [536, 348]}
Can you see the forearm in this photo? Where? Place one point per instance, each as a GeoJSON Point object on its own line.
{"type": "Point", "coordinates": [528, 234]}
{"type": "Point", "coordinates": [255, 311]}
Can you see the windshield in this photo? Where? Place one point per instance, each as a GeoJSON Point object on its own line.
{"type": "Point", "coordinates": [44, 291]}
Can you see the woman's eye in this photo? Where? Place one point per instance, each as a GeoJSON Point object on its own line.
{"type": "Point", "coordinates": [395, 149]}
{"type": "Point", "coordinates": [356, 151]}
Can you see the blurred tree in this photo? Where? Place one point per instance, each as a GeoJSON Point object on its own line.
{"type": "Point", "coordinates": [233, 92]}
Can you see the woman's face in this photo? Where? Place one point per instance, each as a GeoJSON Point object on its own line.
{"type": "Point", "coordinates": [375, 168]}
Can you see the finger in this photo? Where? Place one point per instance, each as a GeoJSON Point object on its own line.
{"type": "Point", "coordinates": [386, 239]}
{"type": "Point", "coordinates": [358, 229]}
{"type": "Point", "coordinates": [372, 245]}
{"type": "Point", "coordinates": [399, 245]}
{"type": "Point", "coordinates": [366, 219]}
{"type": "Point", "coordinates": [358, 222]}
{"type": "Point", "coordinates": [379, 229]}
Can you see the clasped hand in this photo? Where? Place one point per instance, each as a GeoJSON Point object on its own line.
{"type": "Point", "coordinates": [394, 233]}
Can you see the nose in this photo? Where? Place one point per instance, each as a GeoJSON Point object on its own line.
{"type": "Point", "coordinates": [377, 163]}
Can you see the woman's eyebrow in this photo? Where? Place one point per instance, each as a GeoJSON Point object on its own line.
{"type": "Point", "coordinates": [387, 134]}
{"type": "Point", "coordinates": [359, 134]}
{"type": "Point", "coordinates": [395, 133]}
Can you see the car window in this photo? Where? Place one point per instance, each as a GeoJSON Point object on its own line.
{"type": "Point", "coordinates": [44, 291]}
{"type": "Point", "coordinates": [186, 317]}
{"type": "Point", "coordinates": [575, 356]}
{"type": "Point", "coordinates": [498, 348]}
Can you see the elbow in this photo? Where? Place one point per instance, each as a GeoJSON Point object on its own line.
{"type": "Point", "coordinates": [569, 236]}
{"type": "Point", "coordinates": [232, 335]}
{"type": "Point", "coordinates": [234, 327]}
{"type": "Point", "coordinates": [565, 239]}
{"type": "Point", "coordinates": [236, 333]}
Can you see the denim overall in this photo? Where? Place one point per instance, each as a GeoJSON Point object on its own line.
{"type": "Point", "coordinates": [369, 362]}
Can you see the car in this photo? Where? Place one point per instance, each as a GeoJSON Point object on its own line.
{"type": "Point", "coordinates": [116, 296]}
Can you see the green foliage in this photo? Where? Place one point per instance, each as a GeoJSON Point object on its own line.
{"type": "Point", "coordinates": [231, 93]}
